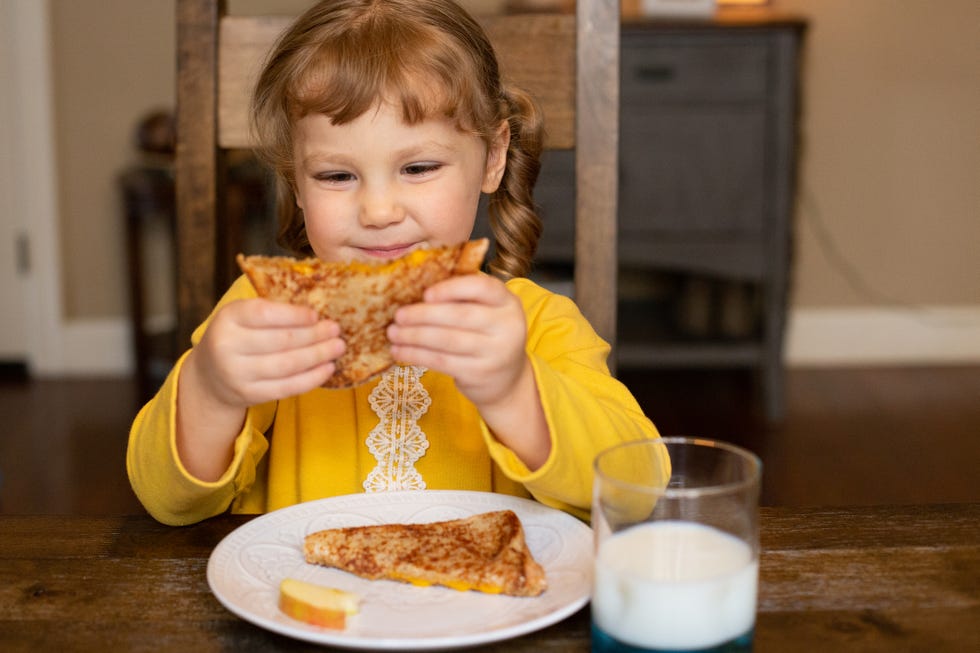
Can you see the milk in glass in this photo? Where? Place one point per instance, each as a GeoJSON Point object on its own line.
{"type": "Point", "coordinates": [674, 586]}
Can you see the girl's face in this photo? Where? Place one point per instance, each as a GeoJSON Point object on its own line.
{"type": "Point", "coordinates": [376, 188]}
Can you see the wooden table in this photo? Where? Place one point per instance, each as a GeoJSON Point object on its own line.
{"type": "Point", "coordinates": [850, 579]}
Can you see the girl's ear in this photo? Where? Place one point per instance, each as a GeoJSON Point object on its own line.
{"type": "Point", "coordinates": [496, 158]}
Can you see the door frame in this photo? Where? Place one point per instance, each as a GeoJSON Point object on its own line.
{"type": "Point", "coordinates": [33, 186]}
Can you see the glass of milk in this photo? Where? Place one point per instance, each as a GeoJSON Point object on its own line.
{"type": "Point", "coordinates": [677, 547]}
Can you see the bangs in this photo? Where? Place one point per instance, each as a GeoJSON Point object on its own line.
{"type": "Point", "coordinates": [376, 61]}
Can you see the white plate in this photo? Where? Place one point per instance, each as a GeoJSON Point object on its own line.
{"type": "Point", "coordinates": [246, 567]}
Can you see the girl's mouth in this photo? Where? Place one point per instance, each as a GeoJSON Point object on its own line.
{"type": "Point", "coordinates": [388, 252]}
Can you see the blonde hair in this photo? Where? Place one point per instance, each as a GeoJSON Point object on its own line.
{"type": "Point", "coordinates": [342, 57]}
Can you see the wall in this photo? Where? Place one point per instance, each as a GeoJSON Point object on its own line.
{"type": "Point", "coordinates": [113, 62]}
{"type": "Point", "coordinates": [891, 151]}
{"type": "Point", "coordinates": [889, 204]}
{"type": "Point", "coordinates": [888, 228]}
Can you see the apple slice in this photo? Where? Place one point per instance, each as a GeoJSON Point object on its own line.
{"type": "Point", "coordinates": [316, 604]}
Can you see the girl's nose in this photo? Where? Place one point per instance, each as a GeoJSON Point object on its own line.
{"type": "Point", "coordinates": [380, 207]}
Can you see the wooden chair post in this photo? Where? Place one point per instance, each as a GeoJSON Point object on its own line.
{"type": "Point", "coordinates": [596, 163]}
{"type": "Point", "coordinates": [198, 159]}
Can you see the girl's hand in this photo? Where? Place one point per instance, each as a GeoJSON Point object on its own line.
{"type": "Point", "coordinates": [256, 350]}
{"type": "Point", "coordinates": [473, 329]}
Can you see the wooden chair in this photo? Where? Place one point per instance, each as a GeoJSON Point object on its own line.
{"type": "Point", "coordinates": [219, 55]}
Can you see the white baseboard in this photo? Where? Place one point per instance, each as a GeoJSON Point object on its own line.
{"type": "Point", "coordinates": [815, 337]}
{"type": "Point", "coordinates": [101, 347]}
{"type": "Point", "coordinates": [883, 336]}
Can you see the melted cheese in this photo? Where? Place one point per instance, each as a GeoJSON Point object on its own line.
{"type": "Point", "coordinates": [302, 268]}
{"type": "Point", "coordinates": [458, 585]}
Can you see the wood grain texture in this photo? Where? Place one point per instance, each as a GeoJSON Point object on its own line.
{"type": "Point", "coordinates": [197, 175]}
{"type": "Point", "coordinates": [885, 578]}
{"type": "Point", "coordinates": [900, 578]}
{"type": "Point", "coordinates": [596, 165]}
{"type": "Point", "coordinates": [244, 43]}
{"type": "Point", "coordinates": [536, 52]}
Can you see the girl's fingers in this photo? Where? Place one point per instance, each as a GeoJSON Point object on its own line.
{"type": "Point", "coordinates": [264, 313]}
{"type": "Point", "coordinates": [261, 326]}
{"type": "Point", "coordinates": [266, 389]}
{"type": "Point", "coordinates": [296, 362]}
{"type": "Point", "coordinates": [294, 338]}
{"type": "Point", "coordinates": [450, 339]}
{"type": "Point", "coordinates": [479, 288]}
{"type": "Point", "coordinates": [468, 316]}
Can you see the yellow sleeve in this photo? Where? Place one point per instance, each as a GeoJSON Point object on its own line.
{"type": "Point", "coordinates": [586, 408]}
{"type": "Point", "coordinates": [165, 488]}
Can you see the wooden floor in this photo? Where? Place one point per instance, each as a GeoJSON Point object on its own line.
{"type": "Point", "coordinates": [850, 436]}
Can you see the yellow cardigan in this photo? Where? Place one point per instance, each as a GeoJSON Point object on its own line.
{"type": "Point", "coordinates": [314, 445]}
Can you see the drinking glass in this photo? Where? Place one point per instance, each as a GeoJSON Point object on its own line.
{"type": "Point", "coordinates": [677, 547]}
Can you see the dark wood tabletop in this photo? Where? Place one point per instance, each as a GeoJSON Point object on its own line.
{"type": "Point", "coordinates": [901, 578]}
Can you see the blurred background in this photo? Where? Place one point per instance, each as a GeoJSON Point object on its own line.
{"type": "Point", "coordinates": [885, 269]}
{"type": "Point", "coordinates": [886, 235]}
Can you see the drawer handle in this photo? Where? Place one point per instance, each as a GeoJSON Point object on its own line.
{"type": "Point", "coordinates": [655, 74]}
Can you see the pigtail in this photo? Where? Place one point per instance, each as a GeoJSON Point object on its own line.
{"type": "Point", "coordinates": [514, 218]}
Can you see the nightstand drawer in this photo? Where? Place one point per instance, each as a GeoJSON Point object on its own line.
{"type": "Point", "coordinates": [678, 69]}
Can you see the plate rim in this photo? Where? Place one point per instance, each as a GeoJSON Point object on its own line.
{"type": "Point", "coordinates": [424, 498]}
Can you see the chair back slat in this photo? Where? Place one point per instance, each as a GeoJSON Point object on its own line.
{"type": "Point", "coordinates": [536, 52]}
{"type": "Point", "coordinates": [245, 41]}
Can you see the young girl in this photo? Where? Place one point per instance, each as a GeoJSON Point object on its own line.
{"type": "Point", "coordinates": [384, 121]}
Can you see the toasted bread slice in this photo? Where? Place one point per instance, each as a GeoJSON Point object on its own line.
{"type": "Point", "coordinates": [361, 297]}
{"type": "Point", "coordinates": [485, 552]}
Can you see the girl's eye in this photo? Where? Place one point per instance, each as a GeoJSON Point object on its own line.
{"type": "Point", "coordinates": [416, 169]}
{"type": "Point", "coordinates": [333, 177]}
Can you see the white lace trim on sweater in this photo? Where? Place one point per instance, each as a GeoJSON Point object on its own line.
{"type": "Point", "coordinates": [397, 442]}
